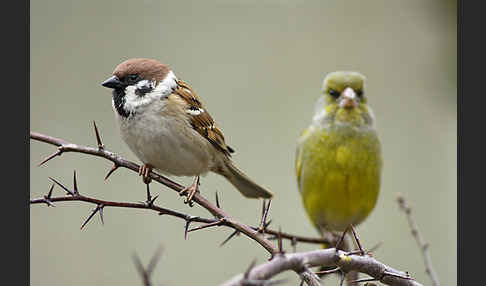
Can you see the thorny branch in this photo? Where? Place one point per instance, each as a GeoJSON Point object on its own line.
{"type": "Point", "coordinates": [145, 273]}
{"type": "Point", "coordinates": [302, 261]}
{"type": "Point", "coordinates": [424, 247]}
{"type": "Point", "coordinates": [74, 195]}
{"type": "Point", "coordinates": [64, 146]}
{"type": "Point", "coordinates": [299, 262]}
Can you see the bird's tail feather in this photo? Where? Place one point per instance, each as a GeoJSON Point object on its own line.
{"type": "Point", "coordinates": [245, 185]}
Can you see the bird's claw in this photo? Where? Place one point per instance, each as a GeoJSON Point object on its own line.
{"type": "Point", "coordinates": [144, 171]}
{"type": "Point", "coordinates": [191, 191]}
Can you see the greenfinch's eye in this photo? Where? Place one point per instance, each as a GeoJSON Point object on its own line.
{"type": "Point", "coordinates": [359, 92]}
{"type": "Point", "coordinates": [333, 93]}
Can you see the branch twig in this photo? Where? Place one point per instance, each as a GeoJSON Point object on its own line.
{"type": "Point", "coordinates": [64, 147]}
{"type": "Point", "coordinates": [280, 261]}
{"type": "Point", "coordinates": [145, 273]}
{"type": "Point", "coordinates": [424, 247]}
{"type": "Point", "coordinates": [300, 262]}
{"type": "Point", "coordinates": [100, 204]}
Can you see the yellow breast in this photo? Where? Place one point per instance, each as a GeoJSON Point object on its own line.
{"type": "Point", "coordinates": [338, 175]}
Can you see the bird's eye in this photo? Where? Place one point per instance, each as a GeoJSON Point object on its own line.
{"type": "Point", "coordinates": [333, 93]}
{"type": "Point", "coordinates": [131, 78]}
{"type": "Point", "coordinates": [359, 92]}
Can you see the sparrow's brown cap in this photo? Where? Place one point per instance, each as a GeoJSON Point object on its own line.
{"type": "Point", "coordinates": [146, 68]}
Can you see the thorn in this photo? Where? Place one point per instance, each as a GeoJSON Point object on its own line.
{"type": "Point", "coordinates": [343, 276]}
{"type": "Point", "coordinates": [60, 185]}
{"type": "Point", "coordinates": [150, 201]}
{"type": "Point", "coordinates": [267, 224]}
{"type": "Point", "coordinates": [75, 185]}
{"type": "Point", "coordinates": [149, 197]}
{"type": "Point", "coordinates": [141, 270]}
{"type": "Point", "coordinates": [363, 280]}
{"type": "Point", "coordinates": [153, 261]}
{"type": "Point", "coordinates": [48, 197]}
{"type": "Point", "coordinates": [186, 228]}
{"type": "Point", "coordinates": [189, 219]}
{"type": "Point", "coordinates": [280, 244]}
{"type": "Point", "coordinates": [293, 242]}
{"type": "Point", "coordinates": [98, 139]}
{"type": "Point", "coordinates": [153, 200]}
{"type": "Point", "coordinates": [247, 272]}
{"type": "Point", "coordinates": [325, 272]}
{"type": "Point", "coordinates": [396, 275]}
{"type": "Point", "coordinates": [48, 202]}
{"type": "Point", "coordinates": [101, 214]}
{"type": "Point", "coordinates": [217, 201]}
{"type": "Point", "coordinates": [98, 207]}
{"type": "Point", "coordinates": [113, 169]}
{"type": "Point", "coordinates": [211, 224]}
{"type": "Point", "coordinates": [354, 252]}
{"type": "Point", "coordinates": [233, 234]}
{"type": "Point", "coordinates": [265, 209]}
{"type": "Point", "coordinates": [57, 153]}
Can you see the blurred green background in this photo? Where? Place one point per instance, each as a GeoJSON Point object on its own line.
{"type": "Point", "coordinates": [258, 66]}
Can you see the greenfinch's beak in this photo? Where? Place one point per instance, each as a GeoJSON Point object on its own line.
{"type": "Point", "coordinates": [348, 99]}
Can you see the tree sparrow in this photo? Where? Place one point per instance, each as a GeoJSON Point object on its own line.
{"type": "Point", "coordinates": [164, 123]}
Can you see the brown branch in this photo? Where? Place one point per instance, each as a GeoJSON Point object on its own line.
{"type": "Point", "coordinates": [100, 204]}
{"type": "Point", "coordinates": [424, 247]}
{"type": "Point", "coordinates": [300, 262]}
{"type": "Point", "coordinates": [297, 238]}
{"type": "Point", "coordinates": [145, 273]}
{"type": "Point", "coordinates": [65, 146]}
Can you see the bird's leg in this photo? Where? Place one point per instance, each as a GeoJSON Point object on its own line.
{"type": "Point", "coordinates": [144, 171]}
{"type": "Point", "coordinates": [334, 241]}
{"type": "Point", "coordinates": [191, 191]}
{"type": "Point", "coordinates": [351, 275]}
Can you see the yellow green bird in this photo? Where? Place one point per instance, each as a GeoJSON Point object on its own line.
{"type": "Point", "coordinates": [338, 161]}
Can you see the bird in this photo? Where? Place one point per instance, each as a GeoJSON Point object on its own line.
{"type": "Point", "coordinates": [338, 160]}
{"type": "Point", "coordinates": [165, 124]}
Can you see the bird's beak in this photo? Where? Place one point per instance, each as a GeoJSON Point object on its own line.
{"type": "Point", "coordinates": [112, 82]}
{"type": "Point", "coordinates": [348, 98]}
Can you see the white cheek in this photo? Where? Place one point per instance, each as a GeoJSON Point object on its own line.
{"type": "Point", "coordinates": [135, 103]}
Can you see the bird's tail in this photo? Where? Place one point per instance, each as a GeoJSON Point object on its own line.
{"type": "Point", "coordinates": [245, 185]}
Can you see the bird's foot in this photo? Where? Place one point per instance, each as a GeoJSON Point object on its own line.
{"type": "Point", "coordinates": [191, 191]}
{"type": "Point", "coordinates": [144, 171]}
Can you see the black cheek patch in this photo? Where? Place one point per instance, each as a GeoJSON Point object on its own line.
{"type": "Point", "coordinates": [141, 91]}
{"type": "Point", "coordinates": [119, 101]}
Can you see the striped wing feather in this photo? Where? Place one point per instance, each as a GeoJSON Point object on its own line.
{"type": "Point", "coordinates": [200, 118]}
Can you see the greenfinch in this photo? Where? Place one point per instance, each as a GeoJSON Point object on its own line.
{"type": "Point", "coordinates": [338, 160]}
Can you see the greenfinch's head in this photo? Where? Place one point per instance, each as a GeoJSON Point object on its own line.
{"type": "Point", "coordinates": [344, 100]}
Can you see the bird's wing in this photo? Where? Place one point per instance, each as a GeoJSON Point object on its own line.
{"type": "Point", "coordinates": [200, 118]}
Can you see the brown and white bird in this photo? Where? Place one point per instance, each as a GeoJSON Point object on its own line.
{"type": "Point", "coordinates": [165, 124]}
